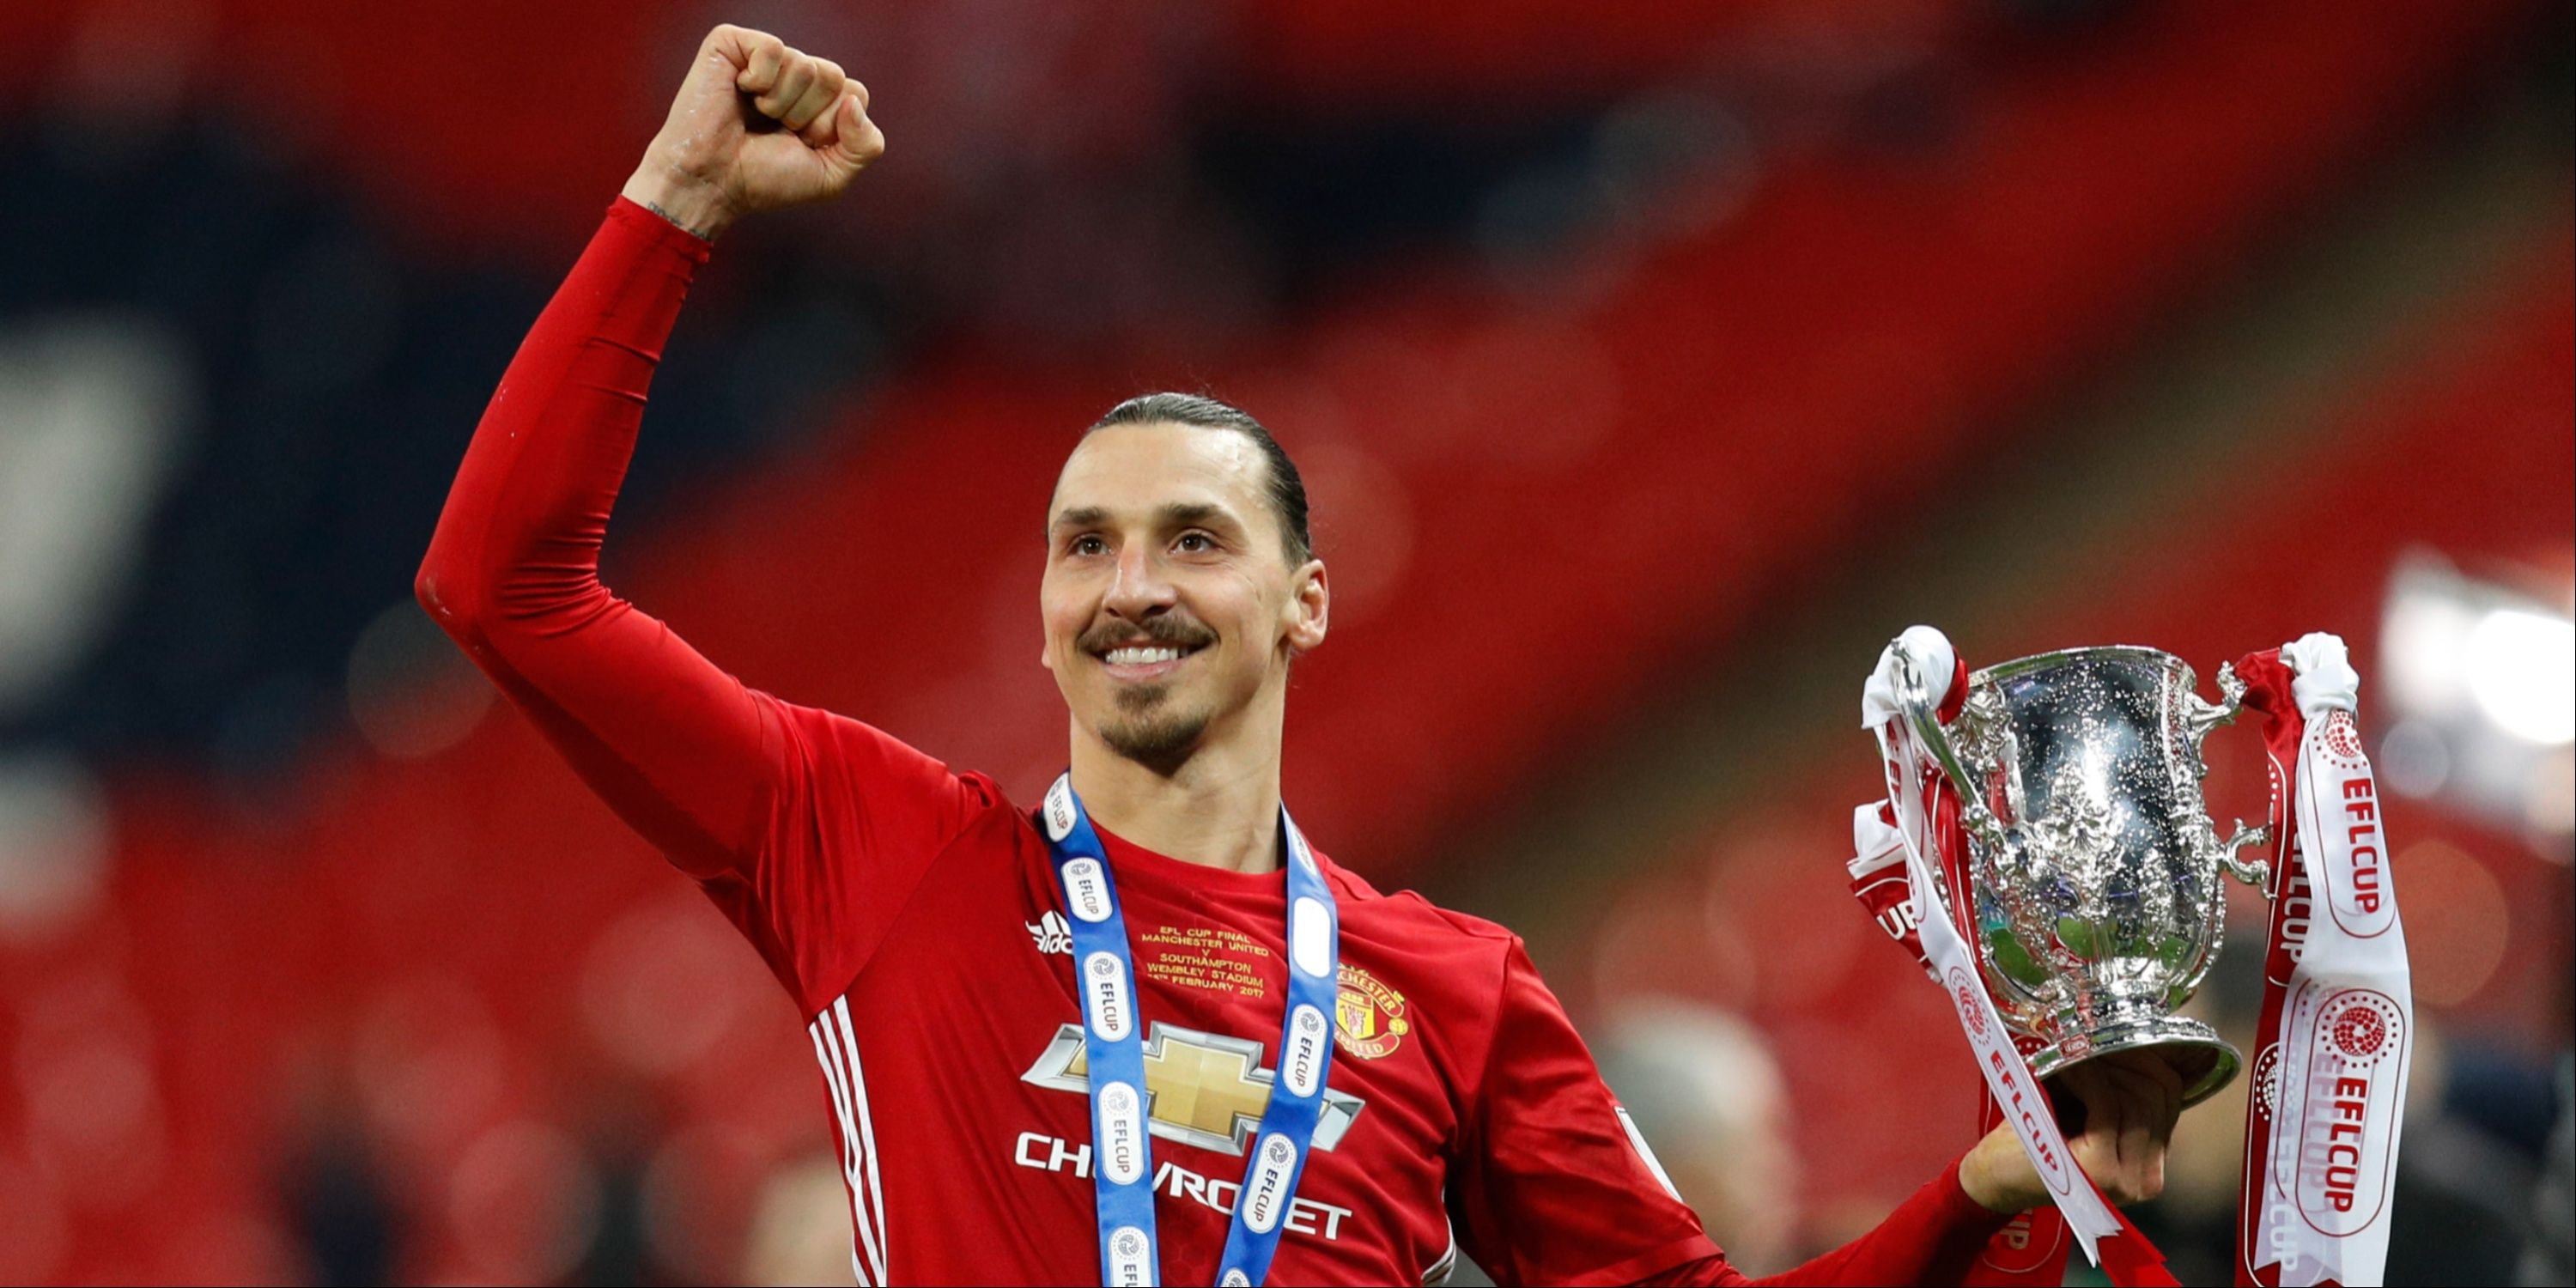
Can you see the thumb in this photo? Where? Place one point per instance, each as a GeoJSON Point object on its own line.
{"type": "Point", "coordinates": [856, 139]}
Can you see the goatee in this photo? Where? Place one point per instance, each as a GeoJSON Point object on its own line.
{"type": "Point", "coordinates": [1157, 739]}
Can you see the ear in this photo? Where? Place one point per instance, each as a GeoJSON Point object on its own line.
{"type": "Point", "coordinates": [1310, 603]}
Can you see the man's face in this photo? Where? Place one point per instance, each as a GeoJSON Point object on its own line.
{"type": "Point", "coordinates": [1170, 606]}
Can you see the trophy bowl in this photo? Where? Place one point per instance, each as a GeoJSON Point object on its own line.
{"type": "Point", "coordinates": [2095, 894]}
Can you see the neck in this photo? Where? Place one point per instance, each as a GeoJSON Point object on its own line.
{"type": "Point", "coordinates": [1219, 808]}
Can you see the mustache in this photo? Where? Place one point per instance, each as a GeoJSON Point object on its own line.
{"type": "Point", "coordinates": [1179, 632]}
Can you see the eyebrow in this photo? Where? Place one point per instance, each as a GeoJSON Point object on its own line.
{"type": "Point", "coordinates": [1089, 516]}
{"type": "Point", "coordinates": [1174, 514]}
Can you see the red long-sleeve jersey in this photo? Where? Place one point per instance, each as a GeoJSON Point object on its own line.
{"type": "Point", "coordinates": [912, 913]}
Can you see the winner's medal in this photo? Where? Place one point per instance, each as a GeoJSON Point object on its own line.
{"type": "Point", "coordinates": [1113, 1041]}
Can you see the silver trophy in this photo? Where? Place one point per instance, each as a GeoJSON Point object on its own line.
{"type": "Point", "coordinates": [2094, 889]}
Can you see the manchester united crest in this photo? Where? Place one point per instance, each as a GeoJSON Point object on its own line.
{"type": "Point", "coordinates": [1369, 1017]}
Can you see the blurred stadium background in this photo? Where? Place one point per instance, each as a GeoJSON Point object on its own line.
{"type": "Point", "coordinates": [1651, 365]}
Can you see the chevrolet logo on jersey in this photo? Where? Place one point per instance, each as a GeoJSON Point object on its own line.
{"type": "Point", "coordinates": [1203, 1089]}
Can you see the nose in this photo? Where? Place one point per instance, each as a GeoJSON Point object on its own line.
{"type": "Point", "coordinates": [1138, 589]}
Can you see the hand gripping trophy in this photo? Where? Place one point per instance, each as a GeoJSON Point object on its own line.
{"type": "Point", "coordinates": [2063, 882]}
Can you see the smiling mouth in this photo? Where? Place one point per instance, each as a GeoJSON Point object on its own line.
{"type": "Point", "coordinates": [1144, 661]}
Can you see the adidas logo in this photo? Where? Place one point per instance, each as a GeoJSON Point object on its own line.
{"type": "Point", "coordinates": [1052, 933]}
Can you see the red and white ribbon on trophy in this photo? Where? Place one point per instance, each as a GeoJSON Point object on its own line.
{"type": "Point", "coordinates": [2337, 1024]}
{"type": "Point", "coordinates": [2030, 1250]}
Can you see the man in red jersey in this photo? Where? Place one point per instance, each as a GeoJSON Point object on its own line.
{"type": "Point", "coordinates": [916, 915]}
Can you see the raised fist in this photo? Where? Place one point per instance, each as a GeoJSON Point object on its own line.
{"type": "Point", "coordinates": [756, 126]}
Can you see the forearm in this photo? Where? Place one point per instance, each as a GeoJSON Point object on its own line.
{"type": "Point", "coordinates": [672, 742]}
{"type": "Point", "coordinates": [519, 540]}
{"type": "Point", "coordinates": [1931, 1238]}
{"type": "Point", "coordinates": [695, 207]}
{"type": "Point", "coordinates": [516, 556]}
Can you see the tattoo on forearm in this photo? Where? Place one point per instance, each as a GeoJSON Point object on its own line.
{"type": "Point", "coordinates": [676, 222]}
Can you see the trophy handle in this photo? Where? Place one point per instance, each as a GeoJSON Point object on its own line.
{"type": "Point", "coordinates": [2254, 872]}
{"type": "Point", "coordinates": [1922, 711]}
{"type": "Point", "coordinates": [2201, 716]}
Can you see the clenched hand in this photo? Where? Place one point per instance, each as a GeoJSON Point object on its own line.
{"type": "Point", "coordinates": [757, 125]}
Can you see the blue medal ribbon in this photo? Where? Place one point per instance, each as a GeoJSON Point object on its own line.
{"type": "Point", "coordinates": [1122, 1151]}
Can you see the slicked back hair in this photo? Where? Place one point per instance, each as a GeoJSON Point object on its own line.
{"type": "Point", "coordinates": [1286, 489]}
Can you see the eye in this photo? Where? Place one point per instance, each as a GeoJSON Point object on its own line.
{"type": "Point", "coordinates": [1087, 544]}
{"type": "Point", "coordinates": [1196, 543]}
